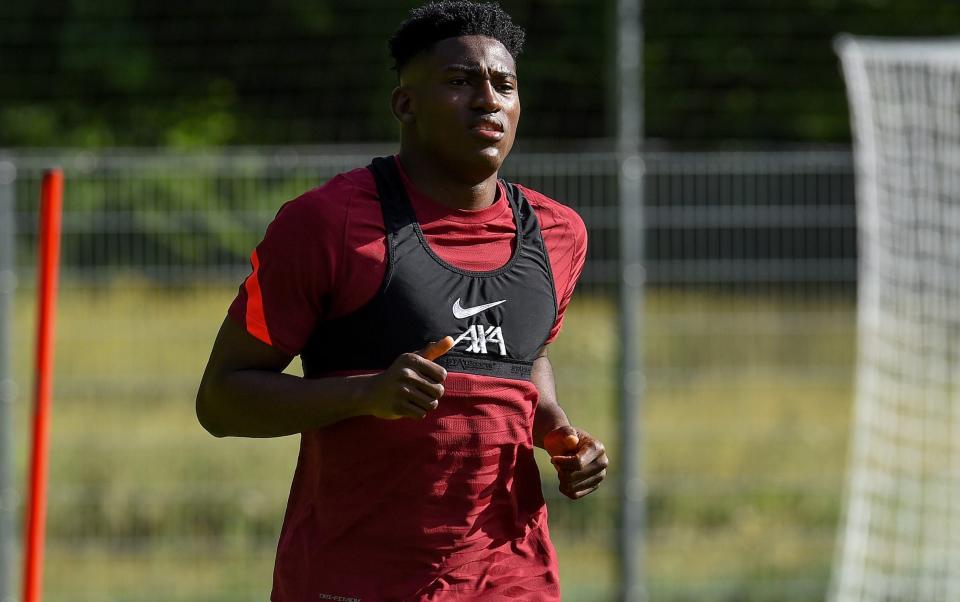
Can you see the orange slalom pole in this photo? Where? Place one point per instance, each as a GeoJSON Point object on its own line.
{"type": "Point", "coordinates": [51, 208]}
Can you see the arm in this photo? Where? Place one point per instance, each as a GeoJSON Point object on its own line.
{"type": "Point", "coordinates": [244, 392]}
{"type": "Point", "coordinates": [549, 415]}
{"type": "Point", "coordinates": [581, 461]}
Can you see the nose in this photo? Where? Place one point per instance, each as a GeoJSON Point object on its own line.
{"type": "Point", "coordinates": [486, 98]}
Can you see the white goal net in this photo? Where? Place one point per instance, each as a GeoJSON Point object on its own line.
{"type": "Point", "coordinates": [900, 539]}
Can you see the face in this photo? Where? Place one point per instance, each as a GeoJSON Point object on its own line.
{"type": "Point", "coordinates": [459, 103]}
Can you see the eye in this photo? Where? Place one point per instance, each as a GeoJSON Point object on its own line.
{"type": "Point", "coordinates": [458, 81]}
{"type": "Point", "coordinates": [506, 88]}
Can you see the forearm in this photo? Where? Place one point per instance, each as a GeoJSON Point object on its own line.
{"type": "Point", "coordinates": [549, 415]}
{"type": "Point", "coordinates": [261, 403]}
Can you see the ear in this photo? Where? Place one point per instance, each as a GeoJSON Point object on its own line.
{"type": "Point", "coordinates": [402, 105]}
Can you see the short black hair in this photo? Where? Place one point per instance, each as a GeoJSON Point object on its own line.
{"type": "Point", "coordinates": [437, 21]}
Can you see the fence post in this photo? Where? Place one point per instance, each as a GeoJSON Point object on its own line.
{"type": "Point", "coordinates": [8, 498]}
{"type": "Point", "coordinates": [630, 134]}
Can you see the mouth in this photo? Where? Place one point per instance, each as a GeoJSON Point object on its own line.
{"type": "Point", "coordinates": [488, 129]}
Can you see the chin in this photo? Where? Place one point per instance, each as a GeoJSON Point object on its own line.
{"type": "Point", "coordinates": [472, 162]}
{"type": "Point", "coordinates": [473, 167]}
{"type": "Point", "coordinates": [485, 163]}
{"type": "Point", "coordinates": [493, 155]}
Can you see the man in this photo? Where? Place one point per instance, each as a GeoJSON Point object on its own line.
{"type": "Point", "coordinates": [416, 478]}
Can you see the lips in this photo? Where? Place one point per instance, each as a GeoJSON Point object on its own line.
{"type": "Point", "coordinates": [488, 129]}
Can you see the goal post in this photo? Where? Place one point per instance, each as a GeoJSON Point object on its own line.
{"type": "Point", "coordinates": [900, 532]}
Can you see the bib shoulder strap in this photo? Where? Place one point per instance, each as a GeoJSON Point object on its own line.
{"type": "Point", "coordinates": [524, 216]}
{"type": "Point", "coordinates": [399, 221]}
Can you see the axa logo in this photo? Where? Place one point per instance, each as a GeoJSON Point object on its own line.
{"type": "Point", "coordinates": [480, 338]}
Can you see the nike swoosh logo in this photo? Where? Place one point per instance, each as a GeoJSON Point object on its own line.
{"type": "Point", "coordinates": [461, 312]}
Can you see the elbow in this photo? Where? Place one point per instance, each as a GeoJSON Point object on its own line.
{"type": "Point", "coordinates": [207, 413]}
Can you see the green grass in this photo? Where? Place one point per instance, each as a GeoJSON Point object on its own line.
{"type": "Point", "coordinates": [743, 434]}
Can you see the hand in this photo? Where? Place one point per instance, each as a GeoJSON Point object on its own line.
{"type": "Point", "coordinates": [580, 460]}
{"type": "Point", "coordinates": [410, 387]}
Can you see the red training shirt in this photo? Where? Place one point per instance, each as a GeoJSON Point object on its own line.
{"type": "Point", "coordinates": [351, 530]}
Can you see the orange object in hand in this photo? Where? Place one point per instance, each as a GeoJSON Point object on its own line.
{"type": "Point", "coordinates": [562, 441]}
{"type": "Point", "coordinates": [438, 348]}
{"type": "Point", "coordinates": [570, 442]}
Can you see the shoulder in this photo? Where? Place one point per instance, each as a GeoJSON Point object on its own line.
{"type": "Point", "coordinates": [556, 219]}
{"type": "Point", "coordinates": [335, 195]}
{"type": "Point", "coordinates": [325, 208]}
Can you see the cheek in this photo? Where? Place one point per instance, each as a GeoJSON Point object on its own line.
{"type": "Point", "coordinates": [513, 110]}
{"type": "Point", "coordinates": [442, 107]}
{"type": "Point", "coordinates": [514, 119]}
{"type": "Point", "coordinates": [437, 118]}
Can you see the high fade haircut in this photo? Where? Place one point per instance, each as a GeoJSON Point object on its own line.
{"type": "Point", "coordinates": [437, 21]}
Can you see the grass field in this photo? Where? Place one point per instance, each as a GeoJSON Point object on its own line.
{"type": "Point", "coordinates": [744, 436]}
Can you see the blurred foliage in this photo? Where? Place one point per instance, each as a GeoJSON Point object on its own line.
{"type": "Point", "coordinates": [179, 73]}
{"type": "Point", "coordinates": [185, 74]}
{"type": "Point", "coordinates": [764, 70]}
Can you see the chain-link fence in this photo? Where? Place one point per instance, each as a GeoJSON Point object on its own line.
{"type": "Point", "coordinates": [748, 333]}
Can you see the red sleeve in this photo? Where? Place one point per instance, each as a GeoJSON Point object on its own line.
{"type": "Point", "coordinates": [294, 269]}
{"type": "Point", "coordinates": [565, 237]}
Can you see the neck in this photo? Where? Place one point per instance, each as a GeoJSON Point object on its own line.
{"type": "Point", "coordinates": [444, 186]}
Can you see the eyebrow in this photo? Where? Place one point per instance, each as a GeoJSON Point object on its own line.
{"type": "Point", "coordinates": [478, 70]}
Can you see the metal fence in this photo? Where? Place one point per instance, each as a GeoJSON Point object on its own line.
{"type": "Point", "coordinates": [749, 331]}
{"type": "Point", "coordinates": [745, 217]}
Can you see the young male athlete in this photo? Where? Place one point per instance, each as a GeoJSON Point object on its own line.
{"type": "Point", "coordinates": [416, 478]}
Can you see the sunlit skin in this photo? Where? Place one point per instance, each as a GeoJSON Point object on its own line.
{"type": "Point", "coordinates": [458, 105]}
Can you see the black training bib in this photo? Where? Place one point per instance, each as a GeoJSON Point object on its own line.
{"type": "Point", "coordinates": [499, 319]}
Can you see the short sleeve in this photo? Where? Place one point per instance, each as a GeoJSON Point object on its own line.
{"type": "Point", "coordinates": [567, 281]}
{"type": "Point", "coordinates": [293, 270]}
{"type": "Point", "coordinates": [565, 237]}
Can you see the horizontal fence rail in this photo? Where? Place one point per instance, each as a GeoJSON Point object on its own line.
{"type": "Point", "coordinates": [712, 218]}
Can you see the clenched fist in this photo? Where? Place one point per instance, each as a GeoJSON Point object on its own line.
{"type": "Point", "coordinates": [410, 387]}
{"type": "Point", "coordinates": [580, 460]}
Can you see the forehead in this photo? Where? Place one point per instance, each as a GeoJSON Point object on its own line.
{"type": "Point", "coordinates": [471, 51]}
